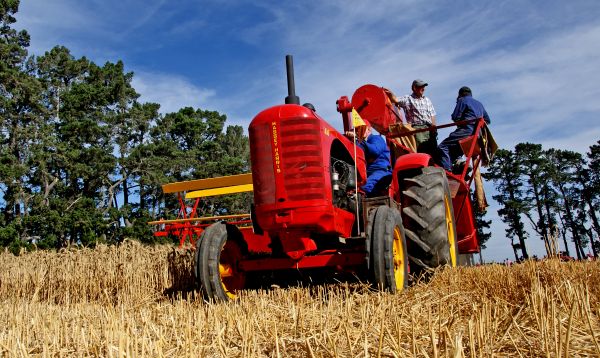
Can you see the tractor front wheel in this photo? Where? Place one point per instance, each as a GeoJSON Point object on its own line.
{"type": "Point", "coordinates": [388, 250]}
{"type": "Point", "coordinates": [218, 252]}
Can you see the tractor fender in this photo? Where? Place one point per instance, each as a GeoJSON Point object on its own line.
{"type": "Point", "coordinates": [413, 161]}
{"type": "Point", "coordinates": [408, 165]}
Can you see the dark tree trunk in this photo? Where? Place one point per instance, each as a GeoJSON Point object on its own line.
{"type": "Point", "coordinates": [571, 223]}
{"type": "Point", "coordinates": [522, 242]}
{"type": "Point", "coordinates": [542, 221]}
{"type": "Point", "coordinates": [125, 185]}
{"type": "Point", "coordinates": [591, 236]}
{"type": "Point", "coordinates": [515, 251]}
{"type": "Point", "coordinates": [520, 233]}
{"type": "Point", "coordinates": [587, 198]}
{"type": "Point", "coordinates": [551, 224]}
{"type": "Point", "coordinates": [563, 233]}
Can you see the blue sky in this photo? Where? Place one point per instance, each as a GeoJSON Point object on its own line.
{"type": "Point", "coordinates": [534, 64]}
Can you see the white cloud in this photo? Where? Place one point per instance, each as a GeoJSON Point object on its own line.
{"type": "Point", "coordinates": [534, 78]}
{"type": "Point", "coordinates": [146, 13]}
{"type": "Point", "coordinates": [51, 23]}
{"type": "Point", "coordinates": [100, 30]}
{"type": "Point", "coordinates": [170, 91]}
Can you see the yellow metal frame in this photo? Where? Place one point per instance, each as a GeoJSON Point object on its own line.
{"type": "Point", "coordinates": [210, 183]}
{"type": "Point", "coordinates": [204, 218]}
{"type": "Point", "coordinates": [220, 191]}
{"type": "Point", "coordinates": [231, 184]}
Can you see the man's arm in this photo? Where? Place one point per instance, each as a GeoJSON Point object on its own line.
{"type": "Point", "coordinates": [432, 110]}
{"type": "Point", "coordinates": [374, 145]}
{"type": "Point", "coordinates": [458, 110]}
{"type": "Point", "coordinates": [486, 118]}
{"type": "Point", "coordinates": [402, 101]}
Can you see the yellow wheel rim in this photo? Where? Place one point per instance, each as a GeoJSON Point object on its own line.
{"type": "Point", "coordinates": [451, 233]}
{"type": "Point", "coordinates": [231, 279]}
{"type": "Point", "coordinates": [225, 270]}
{"type": "Point", "coordinates": [398, 251]}
{"type": "Point", "coordinates": [229, 294]}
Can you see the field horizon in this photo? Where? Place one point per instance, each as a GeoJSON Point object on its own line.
{"type": "Point", "coordinates": [137, 301]}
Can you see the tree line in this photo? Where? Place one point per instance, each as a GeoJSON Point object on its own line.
{"type": "Point", "coordinates": [557, 192]}
{"type": "Point", "coordinates": [82, 160]}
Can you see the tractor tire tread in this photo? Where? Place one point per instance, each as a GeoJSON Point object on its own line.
{"type": "Point", "coordinates": [208, 253]}
{"type": "Point", "coordinates": [424, 215]}
{"type": "Point", "coordinates": [384, 223]}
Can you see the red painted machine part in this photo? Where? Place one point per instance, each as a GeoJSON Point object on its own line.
{"type": "Point", "coordinates": [374, 105]}
{"type": "Point", "coordinates": [290, 156]}
{"type": "Point", "coordinates": [325, 260]}
{"type": "Point", "coordinates": [464, 217]}
{"type": "Point", "coordinates": [256, 243]}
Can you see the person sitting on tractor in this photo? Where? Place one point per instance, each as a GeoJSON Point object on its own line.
{"type": "Point", "coordinates": [377, 154]}
{"type": "Point", "coordinates": [467, 108]}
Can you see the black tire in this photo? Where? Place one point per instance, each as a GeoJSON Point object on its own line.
{"type": "Point", "coordinates": [429, 220]}
{"type": "Point", "coordinates": [389, 258]}
{"type": "Point", "coordinates": [218, 253]}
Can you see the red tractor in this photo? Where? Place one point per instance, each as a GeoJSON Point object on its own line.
{"type": "Point", "coordinates": [310, 212]}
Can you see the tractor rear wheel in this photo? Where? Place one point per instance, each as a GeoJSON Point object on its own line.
{"type": "Point", "coordinates": [429, 220]}
{"type": "Point", "coordinates": [389, 260]}
{"type": "Point", "coordinates": [219, 250]}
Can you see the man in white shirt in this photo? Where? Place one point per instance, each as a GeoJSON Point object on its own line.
{"type": "Point", "coordinates": [420, 114]}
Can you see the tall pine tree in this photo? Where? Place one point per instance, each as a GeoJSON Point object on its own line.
{"type": "Point", "coordinates": [505, 172]}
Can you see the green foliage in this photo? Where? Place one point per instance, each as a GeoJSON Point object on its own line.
{"type": "Point", "coordinates": [506, 173]}
{"type": "Point", "coordinates": [542, 185]}
{"type": "Point", "coordinates": [539, 194]}
{"type": "Point", "coordinates": [9, 233]}
{"type": "Point", "coordinates": [82, 161]}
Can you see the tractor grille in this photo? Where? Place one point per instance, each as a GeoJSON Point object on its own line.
{"type": "Point", "coordinates": [302, 159]}
{"type": "Point", "coordinates": [262, 164]}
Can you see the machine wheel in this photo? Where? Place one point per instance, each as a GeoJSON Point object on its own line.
{"type": "Point", "coordinates": [218, 252]}
{"type": "Point", "coordinates": [388, 250]}
{"type": "Point", "coordinates": [429, 219]}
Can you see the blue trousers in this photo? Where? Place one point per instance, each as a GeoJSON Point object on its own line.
{"type": "Point", "coordinates": [377, 181]}
{"type": "Point", "coordinates": [449, 149]}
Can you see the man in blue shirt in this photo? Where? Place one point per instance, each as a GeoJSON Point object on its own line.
{"type": "Point", "coordinates": [377, 154]}
{"type": "Point", "coordinates": [466, 108]}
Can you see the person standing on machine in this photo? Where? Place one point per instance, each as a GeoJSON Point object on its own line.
{"type": "Point", "coordinates": [420, 114]}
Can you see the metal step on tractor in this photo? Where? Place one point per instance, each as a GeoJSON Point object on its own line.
{"type": "Point", "coordinates": [309, 211]}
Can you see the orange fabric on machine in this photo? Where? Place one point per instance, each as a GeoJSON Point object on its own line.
{"type": "Point", "coordinates": [408, 141]}
{"type": "Point", "coordinates": [485, 148]}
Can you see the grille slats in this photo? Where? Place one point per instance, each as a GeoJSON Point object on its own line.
{"type": "Point", "coordinates": [302, 159]}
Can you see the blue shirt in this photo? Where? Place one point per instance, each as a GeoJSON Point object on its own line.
{"type": "Point", "coordinates": [468, 107]}
{"type": "Point", "coordinates": [376, 153]}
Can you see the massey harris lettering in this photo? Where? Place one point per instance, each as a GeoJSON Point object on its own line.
{"type": "Point", "coordinates": [276, 159]}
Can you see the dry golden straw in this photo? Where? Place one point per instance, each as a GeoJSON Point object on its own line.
{"type": "Point", "coordinates": [136, 301]}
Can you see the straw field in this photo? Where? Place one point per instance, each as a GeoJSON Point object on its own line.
{"type": "Point", "coordinates": [135, 301]}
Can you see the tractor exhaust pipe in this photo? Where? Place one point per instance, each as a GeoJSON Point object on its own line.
{"type": "Point", "coordinates": [291, 97]}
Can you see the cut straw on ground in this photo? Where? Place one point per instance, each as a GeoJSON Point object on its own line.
{"type": "Point", "coordinates": [139, 301]}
